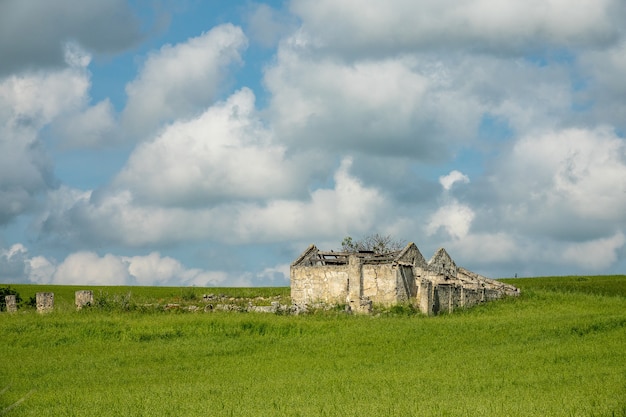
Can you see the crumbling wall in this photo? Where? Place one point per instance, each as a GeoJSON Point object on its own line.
{"type": "Point", "coordinates": [360, 279]}
{"type": "Point", "coordinates": [406, 284]}
{"type": "Point", "coordinates": [314, 284]}
{"type": "Point", "coordinates": [379, 283]}
{"type": "Point", "coordinates": [472, 297]}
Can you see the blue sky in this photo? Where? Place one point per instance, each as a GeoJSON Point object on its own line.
{"type": "Point", "coordinates": [209, 143]}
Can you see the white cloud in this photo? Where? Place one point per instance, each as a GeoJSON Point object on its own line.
{"type": "Point", "coordinates": [33, 100]}
{"type": "Point", "coordinates": [266, 25]}
{"type": "Point", "coordinates": [153, 269]}
{"type": "Point", "coordinates": [40, 270]}
{"type": "Point", "coordinates": [491, 248]}
{"type": "Point", "coordinates": [455, 218]}
{"type": "Point", "coordinates": [116, 217]}
{"type": "Point", "coordinates": [275, 276]}
{"type": "Point", "coordinates": [89, 268]}
{"type": "Point", "coordinates": [12, 261]}
{"type": "Point", "coordinates": [225, 153]}
{"type": "Point", "coordinates": [509, 26]}
{"type": "Point", "coordinates": [350, 207]}
{"type": "Point", "coordinates": [398, 106]}
{"type": "Point", "coordinates": [571, 175]}
{"type": "Point", "coordinates": [447, 181]}
{"type": "Point", "coordinates": [531, 93]}
{"type": "Point", "coordinates": [602, 74]}
{"type": "Point", "coordinates": [180, 80]}
{"type": "Point", "coordinates": [556, 200]}
{"type": "Point", "coordinates": [595, 254]}
{"type": "Point", "coordinates": [90, 127]}
{"type": "Point", "coordinates": [29, 103]}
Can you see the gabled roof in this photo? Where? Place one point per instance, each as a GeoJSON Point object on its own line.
{"type": "Point", "coordinates": [306, 255]}
{"type": "Point", "coordinates": [411, 255]}
{"type": "Point", "coordinates": [442, 263]}
{"type": "Point", "coordinates": [313, 256]}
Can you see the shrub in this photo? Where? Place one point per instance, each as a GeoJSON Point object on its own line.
{"type": "Point", "coordinates": [4, 291]}
{"type": "Point", "coordinates": [115, 302]}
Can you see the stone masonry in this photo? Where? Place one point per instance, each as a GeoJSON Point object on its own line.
{"type": "Point", "coordinates": [11, 303]}
{"type": "Point", "coordinates": [83, 298]}
{"type": "Point", "coordinates": [364, 278]}
{"type": "Point", "coordinates": [45, 302]}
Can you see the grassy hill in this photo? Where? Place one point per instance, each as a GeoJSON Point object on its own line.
{"type": "Point", "coordinates": [558, 350]}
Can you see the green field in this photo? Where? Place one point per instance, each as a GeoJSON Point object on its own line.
{"type": "Point", "coordinates": [558, 350]}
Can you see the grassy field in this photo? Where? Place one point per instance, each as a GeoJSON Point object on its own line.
{"type": "Point", "coordinates": [558, 350]}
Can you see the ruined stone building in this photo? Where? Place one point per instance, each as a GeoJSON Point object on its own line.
{"type": "Point", "coordinates": [361, 279]}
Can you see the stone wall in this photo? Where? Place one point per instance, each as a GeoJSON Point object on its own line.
{"type": "Point", "coordinates": [379, 283]}
{"type": "Point", "coordinates": [326, 284]}
{"type": "Point", "coordinates": [360, 279]}
{"type": "Point", "coordinates": [359, 283]}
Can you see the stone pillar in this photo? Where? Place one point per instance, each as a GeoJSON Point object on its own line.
{"type": "Point", "coordinates": [426, 297]}
{"type": "Point", "coordinates": [11, 303]}
{"type": "Point", "coordinates": [83, 298]}
{"type": "Point", "coordinates": [45, 302]}
{"type": "Point", "coordinates": [355, 282]}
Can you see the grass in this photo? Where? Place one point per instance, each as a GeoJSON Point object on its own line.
{"type": "Point", "coordinates": [558, 350]}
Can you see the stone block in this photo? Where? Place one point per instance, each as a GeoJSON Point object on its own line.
{"type": "Point", "coordinates": [11, 303]}
{"type": "Point", "coordinates": [45, 302]}
{"type": "Point", "coordinates": [83, 298]}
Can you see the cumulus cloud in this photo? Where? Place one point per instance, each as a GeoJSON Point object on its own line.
{"type": "Point", "coordinates": [267, 25]}
{"type": "Point", "coordinates": [180, 79]}
{"type": "Point", "coordinates": [556, 198]}
{"type": "Point", "coordinates": [391, 107]}
{"type": "Point", "coordinates": [508, 27]}
{"type": "Point", "coordinates": [365, 101]}
{"type": "Point", "coordinates": [225, 153]}
{"type": "Point", "coordinates": [89, 127]}
{"type": "Point", "coordinates": [604, 91]}
{"type": "Point", "coordinates": [33, 32]}
{"type": "Point", "coordinates": [349, 206]}
{"type": "Point", "coordinates": [116, 217]}
{"type": "Point", "coordinates": [89, 268]}
{"type": "Point", "coordinates": [558, 182]}
{"type": "Point", "coordinates": [447, 181]}
{"type": "Point", "coordinates": [13, 262]}
{"type": "Point", "coordinates": [30, 102]}
{"type": "Point", "coordinates": [454, 218]}
{"type": "Point", "coordinates": [595, 254]}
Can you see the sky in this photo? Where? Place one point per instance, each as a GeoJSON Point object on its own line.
{"type": "Point", "coordinates": [208, 143]}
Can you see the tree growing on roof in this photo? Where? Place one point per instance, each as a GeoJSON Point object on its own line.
{"type": "Point", "coordinates": [375, 242]}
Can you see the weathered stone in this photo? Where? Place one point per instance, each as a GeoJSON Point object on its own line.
{"type": "Point", "coordinates": [362, 279]}
{"type": "Point", "coordinates": [11, 303]}
{"type": "Point", "coordinates": [45, 302]}
{"type": "Point", "coordinates": [83, 298]}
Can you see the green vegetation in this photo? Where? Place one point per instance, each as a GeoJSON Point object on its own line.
{"type": "Point", "coordinates": [127, 298]}
{"type": "Point", "coordinates": [4, 291]}
{"type": "Point", "coordinates": [558, 350]}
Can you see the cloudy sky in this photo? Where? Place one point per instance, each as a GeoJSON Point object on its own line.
{"type": "Point", "coordinates": [209, 142]}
